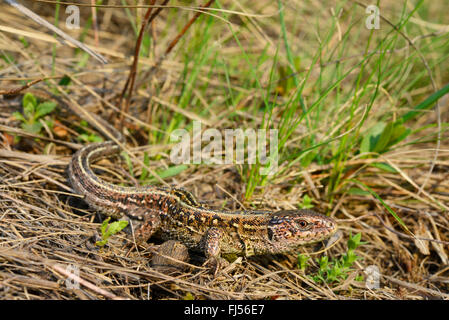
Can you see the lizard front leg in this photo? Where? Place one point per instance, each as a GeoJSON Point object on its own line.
{"type": "Point", "coordinates": [210, 243]}
{"type": "Point", "coordinates": [143, 223]}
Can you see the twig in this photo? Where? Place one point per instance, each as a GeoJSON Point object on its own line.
{"type": "Point", "coordinates": [14, 91]}
{"type": "Point", "coordinates": [147, 76]}
{"type": "Point", "coordinates": [416, 287]}
{"type": "Point", "coordinates": [406, 235]}
{"type": "Point", "coordinates": [133, 70]}
{"type": "Point", "coordinates": [30, 14]}
{"type": "Point", "coordinates": [85, 283]}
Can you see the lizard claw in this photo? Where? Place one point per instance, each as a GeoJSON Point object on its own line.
{"type": "Point", "coordinates": [213, 264]}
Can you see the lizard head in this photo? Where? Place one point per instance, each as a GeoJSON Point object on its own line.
{"type": "Point", "coordinates": [290, 229]}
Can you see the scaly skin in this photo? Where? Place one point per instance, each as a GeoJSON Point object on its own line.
{"type": "Point", "coordinates": [175, 214]}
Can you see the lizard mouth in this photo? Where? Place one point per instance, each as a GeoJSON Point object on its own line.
{"type": "Point", "coordinates": [324, 229]}
{"type": "Point", "coordinates": [329, 225]}
{"type": "Point", "coordinates": [320, 230]}
{"type": "Point", "coordinates": [296, 228]}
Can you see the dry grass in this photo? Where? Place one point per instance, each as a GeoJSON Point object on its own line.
{"type": "Point", "coordinates": [45, 228]}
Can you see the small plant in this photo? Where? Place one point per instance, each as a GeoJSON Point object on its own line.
{"type": "Point", "coordinates": [382, 136]}
{"type": "Point", "coordinates": [302, 262]}
{"type": "Point", "coordinates": [109, 229]}
{"type": "Point", "coordinates": [336, 269]}
{"type": "Point", "coordinates": [33, 112]}
{"type": "Point", "coordinates": [306, 203]}
{"type": "Point", "coordinates": [189, 296]}
{"type": "Point", "coordinates": [88, 136]}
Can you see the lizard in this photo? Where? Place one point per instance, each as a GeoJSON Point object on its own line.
{"type": "Point", "coordinates": [174, 214]}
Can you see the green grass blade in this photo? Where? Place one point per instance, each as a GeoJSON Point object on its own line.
{"type": "Point", "coordinates": [385, 205]}
{"type": "Point", "coordinates": [426, 104]}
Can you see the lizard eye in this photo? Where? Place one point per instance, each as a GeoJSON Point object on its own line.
{"type": "Point", "coordinates": [303, 223]}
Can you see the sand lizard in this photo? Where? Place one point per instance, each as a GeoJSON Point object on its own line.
{"type": "Point", "coordinates": [174, 213]}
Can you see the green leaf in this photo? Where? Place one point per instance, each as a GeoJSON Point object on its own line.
{"type": "Point", "coordinates": [89, 137]}
{"type": "Point", "coordinates": [426, 104]}
{"type": "Point", "coordinates": [302, 261]}
{"type": "Point", "coordinates": [101, 243]}
{"type": "Point", "coordinates": [358, 192]}
{"type": "Point", "coordinates": [33, 128]}
{"type": "Point", "coordinates": [384, 138]}
{"type": "Point", "coordinates": [116, 226]}
{"type": "Point", "coordinates": [170, 172]}
{"type": "Point", "coordinates": [349, 259]}
{"type": "Point", "coordinates": [8, 58]}
{"type": "Point", "coordinates": [104, 225]}
{"type": "Point", "coordinates": [82, 61]}
{"type": "Point", "coordinates": [333, 274]}
{"type": "Point", "coordinates": [44, 108]}
{"type": "Point", "coordinates": [382, 166]}
{"type": "Point", "coordinates": [24, 41]}
{"type": "Point", "coordinates": [371, 137]}
{"type": "Point", "coordinates": [65, 81]}
{"type": "Point", "coordinates": [19, 116]}
{"type": "Point", "coordinates": [95, 138]}
{"type": "Point", "coordinates": [354, 241]}
{"type": "Point", "coordinates": [359, 278]}
{"type": "Point", "coordinates": [29, 98]}
{"type": "Point", "coordinates": [28, 111]}
{"type": "Point", "coordinates": [306, 203]}
{"type": "Point", "coordinates": [318, 279]}
{"type": "Point", "coordinates": [107, 230]}
{"type": "Point", "coordinates": [323, 262]}
{"type": "Point", "coordinates": [400, 132]}
{"type": "Point", "coordinates": [83, 137]}
{"type": "Point", "coordinates": [146, 43]}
